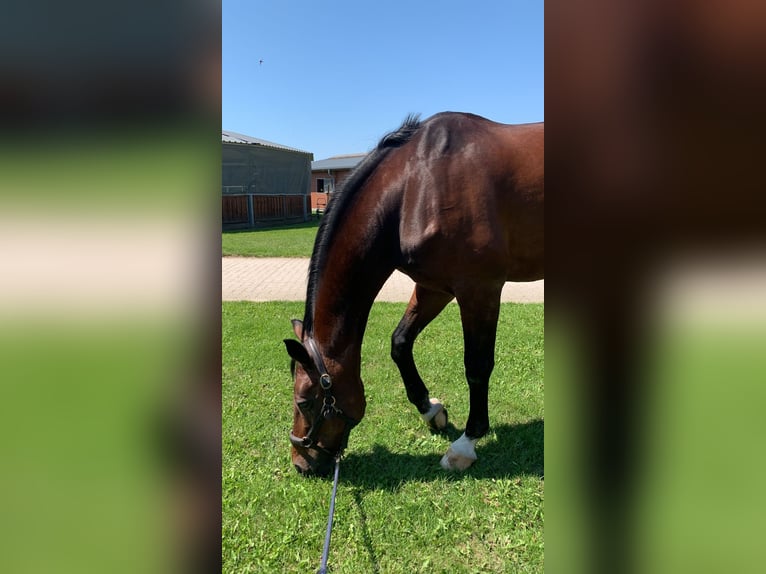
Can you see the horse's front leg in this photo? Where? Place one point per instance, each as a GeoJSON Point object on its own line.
{"type": "Point", "coordinates": [424, 306]}
{"type": "Point", "coordinates": [479, 312]}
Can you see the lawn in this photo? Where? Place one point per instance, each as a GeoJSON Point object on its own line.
{"type": "Point", "coordinates": [293, 241]}
{"type": "Point", "coordinates": [397, 510]}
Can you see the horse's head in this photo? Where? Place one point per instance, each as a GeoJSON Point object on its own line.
{"type": "Point", "coordinates": [326, 405]}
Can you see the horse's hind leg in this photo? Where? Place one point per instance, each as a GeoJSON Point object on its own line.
{"type": "Point", "coordinates": [479, 311]}
{"type": "Point", "coordinates": [425, 304]}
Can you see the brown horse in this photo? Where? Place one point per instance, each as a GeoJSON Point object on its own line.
{"type": "Point", "coordinates": [456, 203]}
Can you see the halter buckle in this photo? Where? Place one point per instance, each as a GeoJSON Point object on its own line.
{"type": "Point", "coordinates": [328, 407]}
{"type": "Point", "coordinates": [325, 381]}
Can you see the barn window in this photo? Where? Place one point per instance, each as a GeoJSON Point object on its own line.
{"type": "Point", "coordinates": [325, 185]}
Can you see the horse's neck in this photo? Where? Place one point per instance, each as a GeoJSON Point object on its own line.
{"type": "Point", "coordinates": [354, 273]}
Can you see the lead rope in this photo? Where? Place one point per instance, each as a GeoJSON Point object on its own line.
{"type": "Point", "coordinates": [328, 534]}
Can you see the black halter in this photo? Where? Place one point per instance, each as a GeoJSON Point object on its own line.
{"type": "Point", "coordinates": [328, 410]}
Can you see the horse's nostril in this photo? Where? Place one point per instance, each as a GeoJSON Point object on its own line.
{"type": "Point", "coordinates": [303, 468]}
{"type": "Point", "coordinates": [320, 469]}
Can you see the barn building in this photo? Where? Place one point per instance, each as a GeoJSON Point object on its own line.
{"type": "Point", "coordinates": [263, 183]}
{"type": "Point", "coordinates": [327, 175]}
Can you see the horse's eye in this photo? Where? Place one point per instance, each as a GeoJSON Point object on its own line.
{"type": "Point", "coordinates": [305, 406]}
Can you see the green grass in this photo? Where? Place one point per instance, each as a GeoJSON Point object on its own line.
{"type": "Point", "coordinates": [293, 241]}
{"type": "Point", "coordinates": [397, 510]}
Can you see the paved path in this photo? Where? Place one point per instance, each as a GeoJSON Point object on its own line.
{"type": "Point", "coordinates": [283, 279]}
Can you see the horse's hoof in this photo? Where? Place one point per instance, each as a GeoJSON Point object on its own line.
{"type": "Point", "coordinates": [439, 422]}
{"type": "Point", "coordinates": [436, 417]}
{"type": "Point", "coordinates": [461, 454]}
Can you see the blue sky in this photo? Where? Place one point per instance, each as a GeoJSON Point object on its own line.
{"type": "Point", "coordinates": [337, 75]}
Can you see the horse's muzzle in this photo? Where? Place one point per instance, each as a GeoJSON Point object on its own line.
{"type": "Point", "coordinates": [313, 463]}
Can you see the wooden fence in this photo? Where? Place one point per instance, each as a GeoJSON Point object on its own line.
{"type": "Point", "coordinates": [250, 210]}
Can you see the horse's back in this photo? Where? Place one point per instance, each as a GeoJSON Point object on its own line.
{"type": "Point", "coordinates": [472, 200]}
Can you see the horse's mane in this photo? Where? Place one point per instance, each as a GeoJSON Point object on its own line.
{"type": "Point", "coordinates": [339, 205]}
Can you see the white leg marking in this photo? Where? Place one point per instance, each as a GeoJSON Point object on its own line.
{"type": "Point", "coordinates": [461, 454]}
{"type": "Point", "coordinates": [436, 415]}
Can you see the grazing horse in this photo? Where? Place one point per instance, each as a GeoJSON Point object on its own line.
{"type": "Point", "coordinates": [456, 203]}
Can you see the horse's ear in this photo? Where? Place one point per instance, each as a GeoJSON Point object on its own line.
{"type": "Point", "coordinates": [298, 328]}
{"type": "Point", "coordinates": [298, 352]}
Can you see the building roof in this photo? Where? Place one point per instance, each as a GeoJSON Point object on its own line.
{"type": "Point", "coordinates": [338, 162]}
{"type": "Point", "coordinates": [234, 137]}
